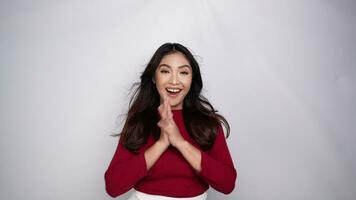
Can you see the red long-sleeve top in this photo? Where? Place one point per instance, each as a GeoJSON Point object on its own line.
{"type": "Point", "coordinates": [172, 175]}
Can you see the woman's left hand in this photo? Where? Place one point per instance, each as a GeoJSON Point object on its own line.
{"type": "Point", "coordinates": [168, 126]}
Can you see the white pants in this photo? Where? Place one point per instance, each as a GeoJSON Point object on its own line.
{"type": "Point", "coordinates": [137, 195]}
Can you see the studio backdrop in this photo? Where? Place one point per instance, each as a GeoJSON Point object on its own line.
{"type": "Point", "coordinates": [283, 73]}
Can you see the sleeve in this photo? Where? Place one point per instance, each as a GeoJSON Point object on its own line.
{"type": "Point", "coordinates": [124, 171]}
{"type": "Point", "coordinates": [217, 167]}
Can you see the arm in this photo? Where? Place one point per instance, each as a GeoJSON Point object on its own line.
{"type": "Point", "coordinates": [127, 168]}
{"type": "Point", "coordinates": [215, 166]}
{"type": "Point", "coordinates": [154, 152]}
{"type": "Point", "coordinates": [191, 154]}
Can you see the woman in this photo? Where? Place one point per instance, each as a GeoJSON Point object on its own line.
{"type": "Point", "coordinates": [172, 145]}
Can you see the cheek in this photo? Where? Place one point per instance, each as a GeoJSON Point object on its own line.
{"type": "Point", "coordinates": [162, 78]}
{"type": "Point", "coordinates": [187, 83]}
{"type": "Point", "coordinates": [160, 86]}
{"type": "Point", "coordinates": [160, 81]}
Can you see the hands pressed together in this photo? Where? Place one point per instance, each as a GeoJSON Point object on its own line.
{"type": "Point", "coordinates": [169, 131]}
{"type": "Point", "coordinates": [170, 135]}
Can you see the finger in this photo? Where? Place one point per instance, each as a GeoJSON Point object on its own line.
{"type": "Point", "coordinates": [160, 110]}
{"type": "Point", "coordinates": [165, 101]}
{"type": "Point", "coordinates": [164, 110]}
{"type": "Point", "coordinates": [169, 109]}
{"type": "Point", "coordinates": [159, 124]}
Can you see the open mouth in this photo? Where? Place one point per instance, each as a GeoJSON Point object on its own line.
{"type": "Point", "coordinates": [173, 91]}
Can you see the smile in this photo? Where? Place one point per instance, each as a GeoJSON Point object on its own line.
{"type": "Point", "coordinates": [173, 92]}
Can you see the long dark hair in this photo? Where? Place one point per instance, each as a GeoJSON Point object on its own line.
{"type": "Point", "coordinates": [200, 118]}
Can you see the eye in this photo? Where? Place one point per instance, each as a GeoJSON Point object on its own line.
{"type": "Point", "coordinates": [185, 73]}
{"type": "Point", "coordinates": [164, 71]}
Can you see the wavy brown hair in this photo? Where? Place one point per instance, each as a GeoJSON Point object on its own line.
{"type": "Point", "coordinates": [200, 118]}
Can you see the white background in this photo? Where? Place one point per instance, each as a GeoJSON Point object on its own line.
{"type": "Point", "coordinates": [283, 73]}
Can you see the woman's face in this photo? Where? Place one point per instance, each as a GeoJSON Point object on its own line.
{"type": "Point", "coordinates": [173, 78]}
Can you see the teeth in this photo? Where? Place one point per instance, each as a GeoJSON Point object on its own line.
{"type": "Point", "coordinates": [173, 90]}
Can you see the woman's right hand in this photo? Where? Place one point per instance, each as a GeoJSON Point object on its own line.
{"type": "Point", "coordinates": [153, 153]}
{"type": "Point", "coordinates": [162, 109]}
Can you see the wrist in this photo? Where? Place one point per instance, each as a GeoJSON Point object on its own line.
{"type": "Point", "coordinates": [181, 145]}
{"type": "Point", "coordinates": [162, 144]}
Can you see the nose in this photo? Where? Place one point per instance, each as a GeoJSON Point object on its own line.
{"type": "Point", "coordinates": [175, 79]}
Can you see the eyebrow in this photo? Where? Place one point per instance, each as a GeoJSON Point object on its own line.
{"type": "Point", "coordinates": [166, 65]}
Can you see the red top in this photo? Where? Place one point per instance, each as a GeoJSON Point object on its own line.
{"type": "Point", "coordinates": [172, 175]}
